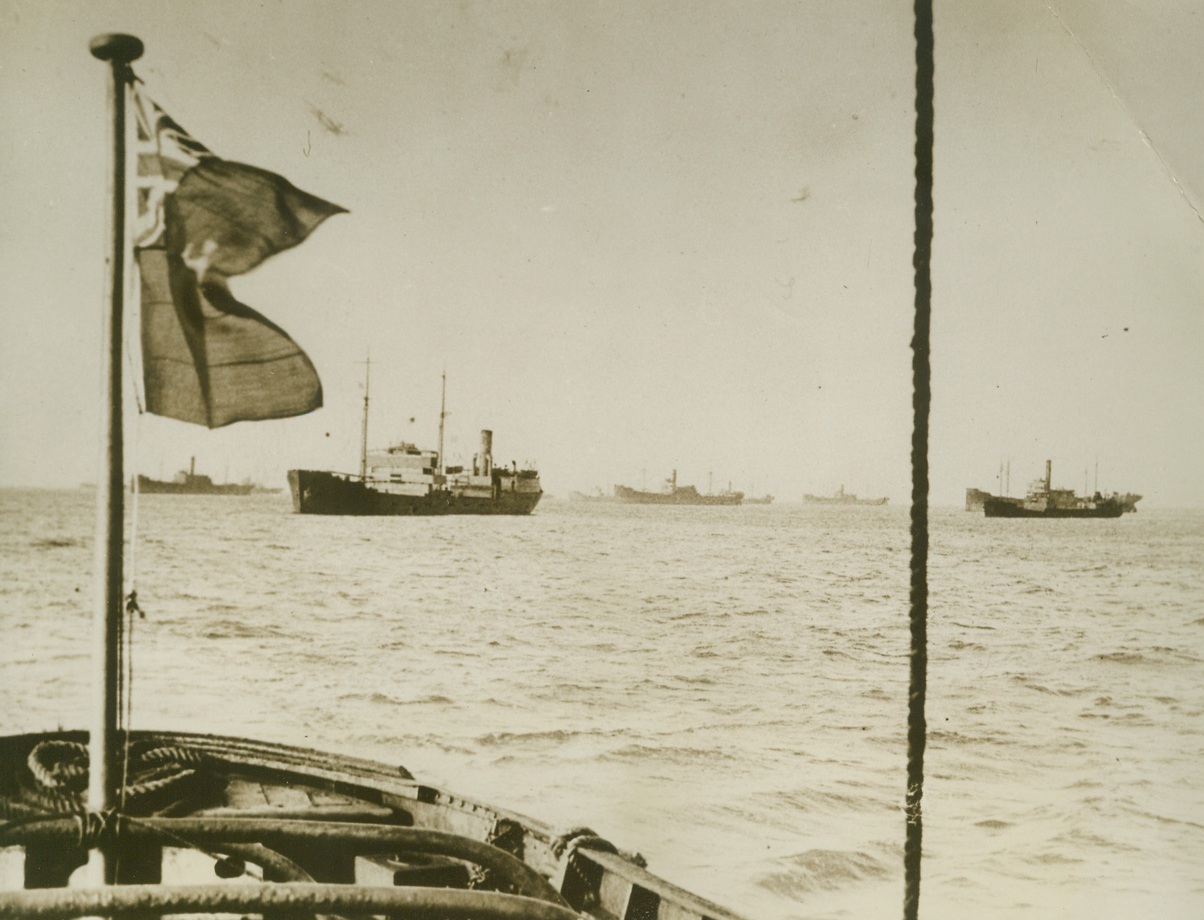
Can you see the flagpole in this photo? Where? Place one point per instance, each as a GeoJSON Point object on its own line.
{"type": "Point", "coordinates": [103, 780]}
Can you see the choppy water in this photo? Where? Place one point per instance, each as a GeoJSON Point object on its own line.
{"type": "Point", "coordinates": [722, 689]}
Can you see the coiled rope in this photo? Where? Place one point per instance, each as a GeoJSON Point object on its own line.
{"type": "Point", "coordinates": [921, 402]}
{"type": "Point", "coordinates": [159, 777]}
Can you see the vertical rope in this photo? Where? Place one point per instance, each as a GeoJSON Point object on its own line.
{"type": "Point", "coordinates": [132, 610]}
{"type": "Point", "coordinates": [921, 401]}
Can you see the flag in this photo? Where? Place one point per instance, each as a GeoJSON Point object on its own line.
{"type": "Point", "coordinates": [206, 358]}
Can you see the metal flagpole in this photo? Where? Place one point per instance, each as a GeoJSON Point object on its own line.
{"type": "Point", "coordinates": [104, 777]}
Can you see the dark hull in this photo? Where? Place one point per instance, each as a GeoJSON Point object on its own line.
{"type": "Point", "coordinates": [827, 500]}
{"type": "Point", "coordinates": [320, 492]}
{"type": "Point", "coordinates": [149, 486]}
{"type": "Point", "coordinates": [686, 496]}
{"type": "Point", "coordinates": [582, 497]}
{"type": "Point", "coordinates": [1011, 508]}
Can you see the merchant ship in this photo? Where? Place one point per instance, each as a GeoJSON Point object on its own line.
{"type": "Point", "coordinates": [190, 482]}
{"type": "Point", "coordinates": [842, 498]}
{"type": "Point", "coordinates": [1044, 501]}
{"type": "Point", "coordinates": [673, 494]}
{"type": "Point", "coordinates": [404, 479]}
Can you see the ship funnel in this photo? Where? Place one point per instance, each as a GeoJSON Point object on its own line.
{"type": "Point", "coordinates": [1048, 478]}
{"type": "Point", "coordinates": [192, 466]}
{"type": "Point", "coordinates": [486, 452]}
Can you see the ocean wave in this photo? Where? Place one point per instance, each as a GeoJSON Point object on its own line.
{"type": "Point", "coordinates": [55, 543]}
{"type": "Point", "coordinates": [383, 699]}
{"type": "Point", "coordinates": [672, 753]}
{"type": "Point", "coordinates": [1050, 691]}
{"type": "Point", "coordinates": [559, 736]}
{"type": "Point", "coordinates": [1121, 657]}
{"type": "Point", "coordinates": [817, 870]}
{"type": "Point", "coordinates": [958, 645]}
{"type": "Point", "coordinates": [239, 629]}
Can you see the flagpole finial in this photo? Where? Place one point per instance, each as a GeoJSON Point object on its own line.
{"type": "Point", "coordinates": [116, 47]}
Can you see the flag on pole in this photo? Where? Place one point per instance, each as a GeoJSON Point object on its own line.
{"type": "Point", "coordinates": [206, 358]}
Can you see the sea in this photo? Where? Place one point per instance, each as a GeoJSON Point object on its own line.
{"type": "Point", "coordinates": [723, 690]}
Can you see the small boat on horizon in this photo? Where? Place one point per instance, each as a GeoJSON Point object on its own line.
{"type": "Point", "coordinates": [190, 482]}
{"type": "Point", "coordinates": [842, 498]}
{"type": "Point", "coordinates": [595, 496]}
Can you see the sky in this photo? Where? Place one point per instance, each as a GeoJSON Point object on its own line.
{"type": "Point", "coordinates": [645, 237]}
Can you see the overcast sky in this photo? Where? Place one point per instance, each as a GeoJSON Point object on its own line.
{"type": "Point", "coordinates": [651, 236]}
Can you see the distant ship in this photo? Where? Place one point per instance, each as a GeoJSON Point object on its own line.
{"type": "Point", "coordinates": [190, 482]}
{"type": "Point", "coordinates": [596, 496]}
{"type": "Point", "coordinates": [1128, 501]}
{"type": "Point", "coordinates": [673, 494]}
{"type": "Point", "coordinates": [758, 500]}
{"type": "Point", "coordinates": [843, 498]}
{"type": "Point", "coordinates": [407, 480]}
{"type": "Point", "coordinates": [975, 499]}
{"type": "Point", "coordinates": [1044, 501]}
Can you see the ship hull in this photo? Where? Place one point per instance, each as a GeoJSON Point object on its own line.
{"type": "Point", "coordinates": [321, 492]}
{"type": "Point", "coordinates": [149, 486]}
{"type": "Point", "coordinates": [1011, 508]}
{"type": "Point", "coordinates": [690, 497]}
{"type": "Point", "coordinates": [827, 500]}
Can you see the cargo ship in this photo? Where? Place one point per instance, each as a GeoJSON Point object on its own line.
{"type": "Point", "coordinates": [673, 494]}
{"type": "Point", "coordinates": [190, 482]}
{"type": "Point", "coordinates": [1044, 501]}
{"type": "Point", "coordinates": [842, 498]}
{"type": "Point", "coordinates": [596, 496]}
{"type": "Point", "coordinates": [404, 479]}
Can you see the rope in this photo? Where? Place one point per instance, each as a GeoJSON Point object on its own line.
{"type": "Point", "coordinates": [125, 642]}
{"type": "Point", "coordinates": [159, 777]}
{"type": "Point", "coordinates": [921, 402]}
{"type": "Point", "coordinates": [133, 612]}
{"type": "Point", "coordinates": [582, 838]}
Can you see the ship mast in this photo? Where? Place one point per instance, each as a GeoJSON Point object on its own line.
{"type": "Point", "coordinates": [442, 415]}
{"type": "Point", "coordinates": [364, 430]}
{"type": "Point", "coordinates": [103, 776]}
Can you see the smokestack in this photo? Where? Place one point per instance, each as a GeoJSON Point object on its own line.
{"type": "Point", "coordinates": [486, 452]}
{"type": "Point", "coordinates": [192, 466]}
{"type": "Point", "coordinates": [1048, 468]}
